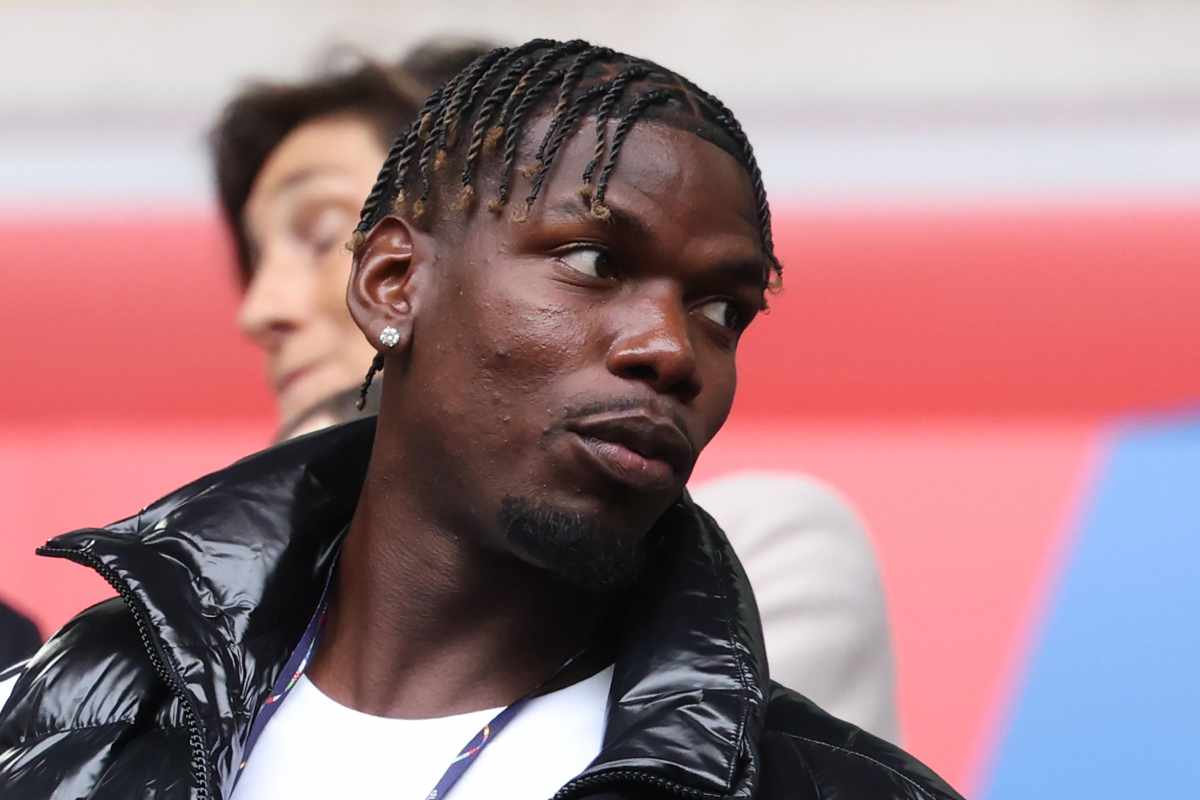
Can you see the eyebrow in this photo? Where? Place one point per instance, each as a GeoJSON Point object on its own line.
{"type": "Point", "coordinates": [290, 182]}
{"type": "Point", "coordinates": [750, 272]}
{"type": "Point", "coordinates": [308, 173]}
{"type": "Point", "coordinates": [619, 217]}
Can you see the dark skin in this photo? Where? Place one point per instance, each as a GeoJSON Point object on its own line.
{"type": "Point", "coordinates": [576, 364]}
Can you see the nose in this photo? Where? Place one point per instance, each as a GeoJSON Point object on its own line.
{"type": "Point", "coordinates": [275, 303]}
{"type": "Point", "coordinates": [654, 346]}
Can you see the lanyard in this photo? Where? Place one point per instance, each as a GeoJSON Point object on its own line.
{"type": "Point", "coordinates": [297, 663]}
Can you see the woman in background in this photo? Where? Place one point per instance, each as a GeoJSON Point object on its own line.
{"type": "Point", "coordinates": [293, 164]}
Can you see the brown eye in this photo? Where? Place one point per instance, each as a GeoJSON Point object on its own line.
{"type": "Point", "coordinates": [724, 313]}
{"type": "Point", "coordinates": [591, 261]}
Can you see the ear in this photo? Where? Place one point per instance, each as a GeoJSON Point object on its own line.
{"type": "Point", "coordinates": [381, 290]}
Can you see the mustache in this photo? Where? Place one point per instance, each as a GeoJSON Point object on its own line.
{"type": "Point", "coordinates": [617, 404]}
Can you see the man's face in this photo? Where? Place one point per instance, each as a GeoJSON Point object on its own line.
{"type": "Point", "coordinates": [565, 371]}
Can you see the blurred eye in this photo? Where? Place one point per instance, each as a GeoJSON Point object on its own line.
{"type": "Point", "coordinates": [591, 261]}
{"type": "Point", "coordinates": [329, 228]}
{"type": "Point", "coordinates": [724, 313]}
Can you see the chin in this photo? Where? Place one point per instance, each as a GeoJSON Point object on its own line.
{"type": "Point", "coordinates": [579, 547]}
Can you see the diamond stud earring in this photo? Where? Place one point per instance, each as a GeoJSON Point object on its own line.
{"type": "Point", "coordinates": [389, 336]}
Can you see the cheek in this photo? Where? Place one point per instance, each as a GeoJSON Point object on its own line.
{"type": "Point", "coordinates": [350, 351]}
{"type": "Point", "coordinates": [514, 352]}
{"type": "Point", "coordinates": [334, 272]}
{"type": "Point", "coordinates": [529, 344]}
{"type": "Point", "coordinates": [720, 385]}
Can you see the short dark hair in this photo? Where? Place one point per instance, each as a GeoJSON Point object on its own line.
{"type": "Point", "coordinates": [258, 118]}
{"type": "Point", "coordinates": [483, 109]}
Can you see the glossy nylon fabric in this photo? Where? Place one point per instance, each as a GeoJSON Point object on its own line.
{"type": "Point", "coordinates": [153, 694]}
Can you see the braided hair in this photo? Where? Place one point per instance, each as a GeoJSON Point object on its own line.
{"type": "Point", "coordinates": [485, 108]}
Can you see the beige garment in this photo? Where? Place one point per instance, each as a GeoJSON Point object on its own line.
{"type": "Point", "coordinates": [816, 580]}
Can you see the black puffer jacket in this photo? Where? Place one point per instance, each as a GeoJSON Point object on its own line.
{"type": "Point", "coordinates": [152, 694]}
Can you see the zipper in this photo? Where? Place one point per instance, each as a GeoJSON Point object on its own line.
{"type": "Point", "coordinates": [196, 734]}
{"type": "Point", "coordinates": [630, 776]}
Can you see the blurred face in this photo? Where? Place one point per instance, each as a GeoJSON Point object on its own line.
{"type": "Point", "coordinates": [300, 213]}
{"type": "Point", "coordinates": [565, 372]}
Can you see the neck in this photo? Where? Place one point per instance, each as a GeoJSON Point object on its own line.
{"type": "Point", "coordinates": [425, 621]}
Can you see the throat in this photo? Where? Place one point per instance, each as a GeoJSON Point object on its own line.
{"type": "Point", "coordinates": [437, 627]}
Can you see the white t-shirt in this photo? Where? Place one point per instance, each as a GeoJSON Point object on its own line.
{"type": "Point", "coordinates": [316, 748]}
{"type": "Point", "coordinates": [6, 685]}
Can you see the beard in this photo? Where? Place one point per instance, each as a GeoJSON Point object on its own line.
{"type": "Point", "coordinates": [572, 546]}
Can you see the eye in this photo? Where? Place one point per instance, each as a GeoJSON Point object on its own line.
{"type": "Point", "coordinates": [724, 313]}
{"type": "Point", "coordinates": [591, 261]}
{"type": "Point", "coordinates": [326, 229]}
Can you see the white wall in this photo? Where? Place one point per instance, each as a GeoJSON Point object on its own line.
{"type": "Point", "coordinates": [845, 99]}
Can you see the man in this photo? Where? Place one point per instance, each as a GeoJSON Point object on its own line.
{"type": "Point", "coordinates": [555, 266]}
{"type": "Point", "coordinates": [293, 162]}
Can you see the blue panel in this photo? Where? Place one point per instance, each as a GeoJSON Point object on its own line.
{"type": "Point", "coordinates": [1110, 707]}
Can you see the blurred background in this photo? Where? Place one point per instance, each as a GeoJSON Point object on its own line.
{"type": "Point", "coordinates": [989, 340]}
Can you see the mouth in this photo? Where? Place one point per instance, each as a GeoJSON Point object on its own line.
{"type": "Point", "coordinates": [636, 448]}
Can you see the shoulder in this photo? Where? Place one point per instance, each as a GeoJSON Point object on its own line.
{"type": "Point", "coordinates": [818, 588]}
{"type": "Point", "coordinates": [91, 672]}
{"type": "Point", "coordinates": [764, 510]}
{"type": "Point", "coordinates": [839, 758]}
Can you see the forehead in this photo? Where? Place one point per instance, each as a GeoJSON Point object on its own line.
{"type": "Point", "coordinates": [340, 147]}
{"type": "Point", "coordinates": [670, 179]}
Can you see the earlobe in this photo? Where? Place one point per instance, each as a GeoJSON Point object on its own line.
{"type": "Point", "coordinates": [379, 294]}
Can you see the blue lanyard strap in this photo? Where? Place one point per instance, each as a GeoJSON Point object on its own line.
{"type": "Point", "coordinates": [293, 668]}
{"type": "Point", "coordinates": [298, 662]}
{"type": "Point", "coordinates": [468, 754]}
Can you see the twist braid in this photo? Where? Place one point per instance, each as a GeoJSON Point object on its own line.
{"type": "Point", "coordinates": [539, 66]}
{"type": "Point", "coordinates": [413, 137]}
{"type": "Point", "coordinates": [464, 89]}
{"type": "Point", "coordinates": [616, 89]}
{"type": "Point", "coordinates": [449, 94]}
{"type": "Point", "coordinates": [729, 123]}
{"type": "Point", "coordinates": [570, 81]}
{"type": "Point", "coordinates": [566, 124]}
{"type": "Point", "coordinates": [380, 190]}
{"type": "Point", "coordinates": [639, 106]}
{"type": "Point", "coordinates": [376, 366]}
{"type": "Point", "coordinates": [513, 129]}
{"type": "Point", "coordinates": [426, 165]}
{"type": "Point", "coordinates": [486, 109]}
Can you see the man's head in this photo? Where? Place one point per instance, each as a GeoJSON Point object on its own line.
{"type": "Point", "coordinates": [293, 163]}
{"type": "Point", "coordinates": [569, 242]}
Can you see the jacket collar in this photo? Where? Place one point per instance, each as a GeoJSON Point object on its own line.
{"type": "Point", "coordinates": [229, 570]}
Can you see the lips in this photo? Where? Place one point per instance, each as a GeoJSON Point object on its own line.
{"type": "Point", "coordinates": [638, 448]}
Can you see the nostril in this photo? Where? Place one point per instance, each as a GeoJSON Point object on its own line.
{"type": "Point", "coordinates": [641, 372]}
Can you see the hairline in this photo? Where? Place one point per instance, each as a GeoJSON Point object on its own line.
{"type": "Point", "coordinates": [486, 173]}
